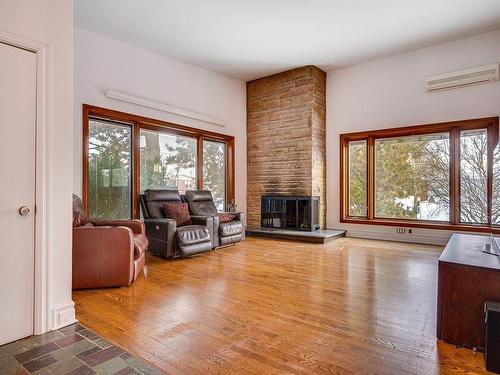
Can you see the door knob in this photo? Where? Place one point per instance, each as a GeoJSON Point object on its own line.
{"type": "Point", "coordinates": [24, 210]}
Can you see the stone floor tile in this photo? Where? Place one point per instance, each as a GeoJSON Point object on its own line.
{"type": "Point", "coordinates": [103, 343]}
{"type": "Point", "coordinates": [71, 329]}
{"type": "Point", "coordinates": [9, 365]}
{"type": "Point", "coordinates": [37, 351]}
{"type": "Point", "coordinates": [68, 340]}
{"type": "Point", "coordinates": [47, 337]}
{"type": "Point", "coordinates": [127, 371]}
{"type": "Point", "coordinates": [37, 364]}
{"type": "Point", "coordinates": [89, 335]}
{"type": "Point", "coordinates": [103, 356]}
{"type": "Point", "coordinates": [43, 371]}
{"type": "Point", "coordinates": [89, 352]}
{"type": "Point", "coordinates": [65, 365]}
{"type": "Point", "coordinates": [82, 370]}
{"type": "Point", "coordinates": [142, 366]}
{"type": "Point", "coordinates": [75, 349]}
{"type": "Point", "coordinates": [111, 367]}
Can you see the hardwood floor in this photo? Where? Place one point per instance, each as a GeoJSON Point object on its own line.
{"type": "Point", "coordinates": [350, 306]}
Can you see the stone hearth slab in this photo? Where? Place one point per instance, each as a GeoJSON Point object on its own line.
{"type": "Point", "coordinates": [318, 236]}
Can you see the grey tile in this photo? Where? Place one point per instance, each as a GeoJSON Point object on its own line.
{"type": "Point", "coordinates": [127, 371]}
{"type": "Point", "coordinates": [17, 347]}
{"type": "Point", "coordinates": [142, 366]}
{"type": "Point", "coordinates": [103, 343]}
{"type": "Point", "coordinates": [37, 364]}
{"type": "Point", "coordinates": [91, 351]}
{"type": "Point", "coordinates": [74, 350]}
{"type": "Point", "coordinates": [68, 340]}
{"type": "Point", "coordinates": [89, 335]}
{"type": "Point", "coordinates": [10, 349]}
{"type": "Point", "coordinates": [111, 367]}
{"type": "Point", "coordinates": [38, 351]}
{"type": "Point", "coordinates": [47, 337]}
{"type": "Point", "coordinates": [43, 371]}
{"type": "Point", "coordinates": [102, 356]}
{"type": "Point", "coordinates": [65, 365]}
{"type": "Point", "coordinates": [9, 365]}
{"type": "Point", "coordinates": [71, 329]}
{"type": "Point", "coordinates": [82, 370]}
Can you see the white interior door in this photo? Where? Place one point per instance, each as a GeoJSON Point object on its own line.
{"type": "Point", "coordinates": [17, 198]}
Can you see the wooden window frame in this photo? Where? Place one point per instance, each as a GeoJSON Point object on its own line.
{"type": "Point", "coordinates": [140, 122]}
{"type": "Point", "coordinates": [453, 128]}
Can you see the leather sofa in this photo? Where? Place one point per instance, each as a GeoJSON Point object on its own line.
{"type": "Point", "coordinates": [201, 204]}
{"type": "Point", "coordinates": [106, 253]}
{"type": "Point", "coordinates": [165, 237]}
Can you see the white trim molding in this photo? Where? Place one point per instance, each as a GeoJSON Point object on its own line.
{"type": "Point", "coordinates": [63, 315]}
{"type": "Point", "coordinates": [149, 103]}
{"type": "Point", "coordinates": [44, 319]}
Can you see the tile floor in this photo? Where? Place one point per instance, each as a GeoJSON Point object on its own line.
{"type": "Point", "coordinates": [72, 350]}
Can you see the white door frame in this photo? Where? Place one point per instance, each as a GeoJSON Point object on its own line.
{"type": "Point", "coordinates": [41, 316]}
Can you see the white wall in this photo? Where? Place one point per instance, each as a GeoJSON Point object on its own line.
{"type": "Point", "coordinates": [389, 92]}
{"type": "Point", "coordinates": [102, 63]}
{"type": "Point", "coordinates": [50, 22]}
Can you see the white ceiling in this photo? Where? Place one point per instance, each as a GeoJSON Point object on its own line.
{"type": "Point", "coordinates": [248, 39]}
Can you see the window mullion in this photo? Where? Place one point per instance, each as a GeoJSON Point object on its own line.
{"type": "Point", "coordinates": [199, 162]}
{"type": "Point", "coordinates": [370, 155]}
{"type": "Point", "coordinates": [454, 176]}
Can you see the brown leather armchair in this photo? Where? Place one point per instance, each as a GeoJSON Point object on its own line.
{"type": "Point", "coordinates": [106, 253]}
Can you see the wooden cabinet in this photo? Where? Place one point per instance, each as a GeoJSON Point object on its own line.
{"type": "Point", "coordinates": [467, 279]}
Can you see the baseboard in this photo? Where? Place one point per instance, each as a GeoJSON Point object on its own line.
{"type": "Point", "coordinates": [63, 315]}
{"type": "Point", "coordinates": [439, 239]}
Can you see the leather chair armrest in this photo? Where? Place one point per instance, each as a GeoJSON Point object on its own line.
{"type": "Point", "coordinates": [136, 225]}
{"type": "Point", "coordinates": [208, 221]}
{"type": "Point", "coordinates": [240, 216]}
{"type": "Point", "coordinates": [102, 257]}
{"type": "Point", "coordinates": [161, 236]}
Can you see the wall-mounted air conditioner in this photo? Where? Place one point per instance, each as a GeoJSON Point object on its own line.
{"type": "Point", "coordinates": [462, 78]}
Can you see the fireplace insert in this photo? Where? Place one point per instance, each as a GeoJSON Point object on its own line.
{"type": "Point", "coordinates": [296, 213]}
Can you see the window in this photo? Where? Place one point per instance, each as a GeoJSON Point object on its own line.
{"type": "Point", "coordinates": [412, 177]}
{"type": "Point", "coordinates": [495, 204]}
{"type": "Point", "coordinates": [109, 183]}
{"type": "Point", "coordinates": [168, 161]}
{"type": "Point", "coordinates": [214, 171]}
{"type": "Point", "coordinates": [357, 179]}
{"type": "Point", "coordinates": [473, 176]}
{"type": "Point", "coordinates": [435, 176]}
{"type": "Point", "coordinates": [125, 154]}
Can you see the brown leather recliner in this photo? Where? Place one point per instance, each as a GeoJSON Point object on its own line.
{"type": "Point", "coordinates": [201, 204]}
{"type": "Point", "coordinates": [106, 253]}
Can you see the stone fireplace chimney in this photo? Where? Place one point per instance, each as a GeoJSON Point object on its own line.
{"type": "Point", "coordinates": [286, 138]}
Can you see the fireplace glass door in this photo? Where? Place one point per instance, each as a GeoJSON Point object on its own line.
{"type": "Point", "coordinates": [291, 213]}
{"type": "Point", "coordinates": [304, 215]}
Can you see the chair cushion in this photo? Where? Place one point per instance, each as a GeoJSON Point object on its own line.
{"type": "Point", "coordinates": [192, 234]}
{"type": "Point", "coordinates": [224, 217]}
{"type": "Point", "coordinates": [201, 202]}
{"type": "Point", "coordinates": [163, 195]}
{"type": "Point", "coordinates": [230, 228]}
{"type": "Point", "coordinates": [140, 245]}
{"type": "Point", "coordinates": [178, 212]}
{"type": "Point", "coordinates": [154, 200]}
